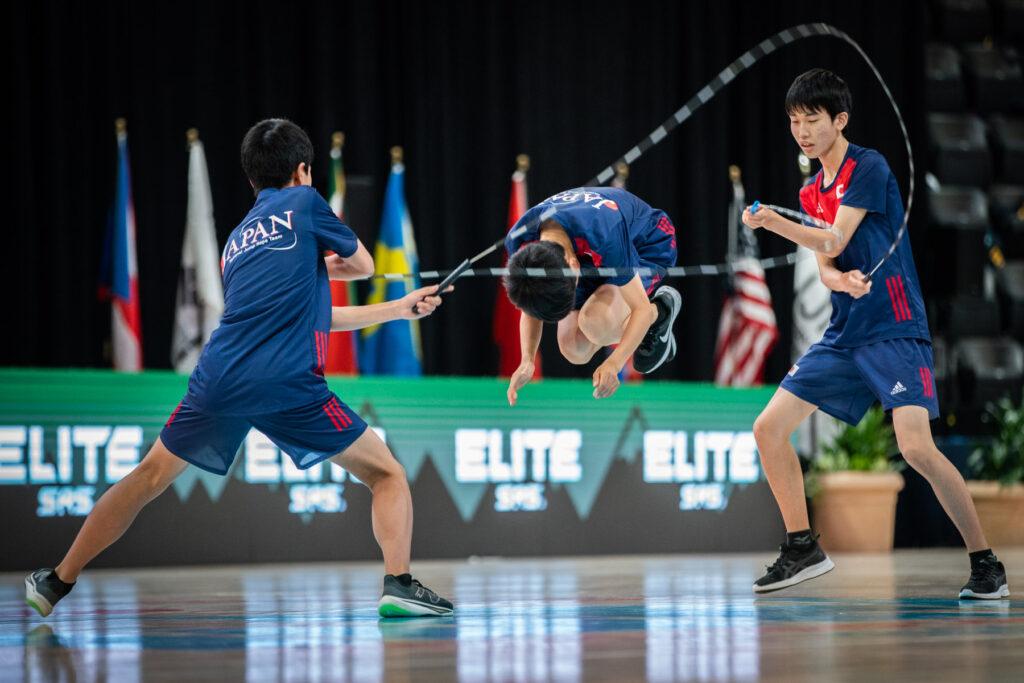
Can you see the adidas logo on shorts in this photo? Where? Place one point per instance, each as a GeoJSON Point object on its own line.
{"type": "Point", "coordinates": [898, 389]}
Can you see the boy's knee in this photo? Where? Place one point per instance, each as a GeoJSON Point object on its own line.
{"type": "Point", "coordinates": [574, 355]}
{"type": "Point", "coordinates": [767, 430]}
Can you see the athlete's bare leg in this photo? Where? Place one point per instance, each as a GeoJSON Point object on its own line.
{"type": "Point", "coordinates": [772, 430]}
{"type": "Point", "coordinates": [370, 460]}
{"type": "Point", "coordinates": [117, 508]}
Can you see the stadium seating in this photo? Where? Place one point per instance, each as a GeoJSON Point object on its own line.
{"type": "Point", "coordinates": [945, 80]}
{"type": "Point", "coordinates": [1008, 143]}
{"type": "Point", "coordinates": [958, 225]}
{"type": "Point", "coordinates": [959, 150]}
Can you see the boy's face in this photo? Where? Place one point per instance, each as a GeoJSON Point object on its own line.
{"type": "Point", "coordinates": [815, 131]}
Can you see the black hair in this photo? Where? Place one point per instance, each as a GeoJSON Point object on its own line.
{"type": "Point", "coordinates": [272, 150]}
{"type": "Point", "coordinates": [819, 89]}
{"type": "Point", "coordinates": [545, 298]}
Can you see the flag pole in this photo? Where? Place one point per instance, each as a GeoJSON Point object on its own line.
{"type": "Point", "coordinates": [522, 163]}
{"type": "Point", "coordinates": [192, 135]}
{"type": "Point", "coordinates": [396, 155]}
{"type": "Point", "coordinates": [337, 140]}
{"type": "Point", "coordinates": [735, 177]}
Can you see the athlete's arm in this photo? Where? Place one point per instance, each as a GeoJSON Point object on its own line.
{"type": "Point", "coordinates": [358, 266]}
{"type": "Point", "coordinates": [827, 241]}
{"type": "Point", "coordinates": [606, 377]}
{"type": "Point", "coordinates": [530, 331]}
{"type": "Point", "coordinates": [345, 318]}
{"type": "Point", "coordinates": [851, 282]}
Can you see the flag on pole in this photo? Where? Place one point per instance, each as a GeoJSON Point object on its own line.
{"type": "Point", "coordinates": [341, 346]}
{"type": "Point", "coordinates": [119, 276]}
{"type": "Point", "coordinates": [200, 298]}
{"type": "Point", "coordinates": [393, 348]}
{"type": "Point", "coordinates": [505, 328]}
{"type": "Point", "coordinates": [747, 331]}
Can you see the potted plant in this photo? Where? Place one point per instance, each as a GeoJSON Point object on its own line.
{"type": "Point", "coordinates": [853, 486]}
{"type": "Point", "coordinates": [997, 467]}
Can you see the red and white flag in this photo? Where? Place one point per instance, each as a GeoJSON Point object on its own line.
{"type": "Point", "coordinates": [505, 328]}
{"type": "Point", "coordinates": [119, 280]}
{"type": "Point", "coordinates": [747, 331]}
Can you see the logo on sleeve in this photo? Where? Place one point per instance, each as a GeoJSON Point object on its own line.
{"type": "Point", "coordinates": [898, 389]}
{"type": "Point", "coordinates": [839, 191]}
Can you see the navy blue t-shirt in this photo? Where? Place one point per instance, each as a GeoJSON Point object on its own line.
{"type": "Point", "coordinates": [894, 309]}
{"type": "Point", "coordinates": [268, 353]}
{"type": "Point", "coordinates": [608, 226]}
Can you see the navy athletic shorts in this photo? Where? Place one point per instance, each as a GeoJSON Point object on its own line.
{"type": "Point", "coordinates": [308, 434]}
{"type": "Point", "coordinates": [845, 382]}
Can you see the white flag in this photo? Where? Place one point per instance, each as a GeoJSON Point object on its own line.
{"type": "Point", "coordinates": [200, 299]}
{"type": "Point", "coordinates": [812, 310]}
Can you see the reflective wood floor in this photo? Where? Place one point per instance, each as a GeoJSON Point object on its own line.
{"type": "Point", "coordinates": [686, 618]}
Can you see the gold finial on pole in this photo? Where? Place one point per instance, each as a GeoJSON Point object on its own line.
{"type": "Point", "coordinates": [522, 163]}
{"type": "Point", "coordinates": [621, 170]}
{"type": "Point", "coordinates": [120, 125]}
{"type": "Point", "coordinates": [734, 173]}
{"type": "Point", "coordinates": [192, 135]}
{"type": "Point", "coordinates": [337, 140]}
{"type": "Point", "coordinates": [396, 154]}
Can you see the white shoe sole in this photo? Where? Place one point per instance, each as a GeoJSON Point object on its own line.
{"type": "Point", "coordinates": [814, 571]}
{"type": "Point", "coordinates": [968, 594]}
{"type": "Point", "coordinates": [35, 600]}
{"type": "Point", "coordinates": [391, 606]}
{"type": "Point", "coordinates": [675, 301]}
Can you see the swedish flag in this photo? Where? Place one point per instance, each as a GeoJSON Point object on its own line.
{"type": "Point", "coordinates": [393, 348]}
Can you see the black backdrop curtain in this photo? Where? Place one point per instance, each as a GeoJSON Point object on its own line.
{"type": "Point", "coordinates": [463, 87]}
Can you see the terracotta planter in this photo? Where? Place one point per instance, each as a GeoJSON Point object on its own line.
{"type": "Point", "coordinates": [1001, 510]}
{"type": "Point", "coordinates": [856, 511]}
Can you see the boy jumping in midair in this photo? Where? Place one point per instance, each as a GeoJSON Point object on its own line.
{"type": "Point", "coordinates": [600, 227]}
{"type": "Point", "coordinates": [877, 346]}
{"type": "Point", "coordinates": [263, 368]}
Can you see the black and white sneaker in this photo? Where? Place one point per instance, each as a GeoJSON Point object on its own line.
{"type": "Point", "coordinates": [659, 344]}
{"type": "Point", "coordinates": [987, 582]}
{"type": "Point", "coordinates": [404, 596]}
{"type": "Point", "coordinates": [43, 589]}
{"type": "Point", "coordinates": [795, 565]}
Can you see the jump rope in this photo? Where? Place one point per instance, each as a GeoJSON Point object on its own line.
{"type": "Point", "coordinates": [703, 96]}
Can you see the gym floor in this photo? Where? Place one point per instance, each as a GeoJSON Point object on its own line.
{"type": "Point", "coordinates": [657, 618]}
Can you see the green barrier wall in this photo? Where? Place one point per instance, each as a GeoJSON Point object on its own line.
{"type": "Point", "coordinates": [659, 467]}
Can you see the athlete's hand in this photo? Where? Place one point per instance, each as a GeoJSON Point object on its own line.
{"type": "Point", "coordinates": [424, 299]}
{"type": "Point", "coordinates": [762, 219]}
{"type": "Point", "coordinates": [520, 378]}
{"type": "Point", "coordinates": [606, 379]}
{"type": "Point", "coordinates": [852, 282]}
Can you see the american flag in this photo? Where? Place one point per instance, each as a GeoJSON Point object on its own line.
{"type": "Point", "coordinates": [747, 331]}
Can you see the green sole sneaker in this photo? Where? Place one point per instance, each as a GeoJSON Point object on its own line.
{"type": "Point", "coordinates": [391, 606]}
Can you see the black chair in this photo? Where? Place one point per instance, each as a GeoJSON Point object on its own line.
{"type": "Point", "coordinates": [987, 369]}
{"type": "Point", "coordinates": [944, 78]}
{"type": "Point", "coordinates": [956, 236]}
{"type": "Point", "coordinates": [1009, 19]}
{"type": "Point", "coordinates": [1006, 210]}
{"type": "Point", "coordinates": [1010, 280]}
{"type": "Point", "coordinates": [1008, 142]}
{"type": "Point", "coordinates": [969, 316]}
{"type": "Point", "coordinates": [994, 77]}
{"type": "Point", "coordinates": [959, 150]}
{"type": "Point", "coordinates": [943, 375]}
{"type": "Point", "coordinates": [962, 20]}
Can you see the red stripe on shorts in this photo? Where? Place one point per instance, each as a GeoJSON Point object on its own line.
{"type": "Point", "coordinates": [346, 420]}
{"type": "Point", "coordinates": [327, 411]}
{"type": "Point", "coordinates": [173, 415]}
{"type": "Point", "coordinates": [926, 380]}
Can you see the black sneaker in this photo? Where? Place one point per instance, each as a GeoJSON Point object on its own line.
{"type": "Point", "coordinates": [43, 590]}
{"type": "Point", "coordinates": [987, 582]}
{"type": "Point", "coordinates": [795, 565]}
{"type": "Point", "coordinates": [404, 596]}
{"type": "Point", "coordinates": [659, 344]}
